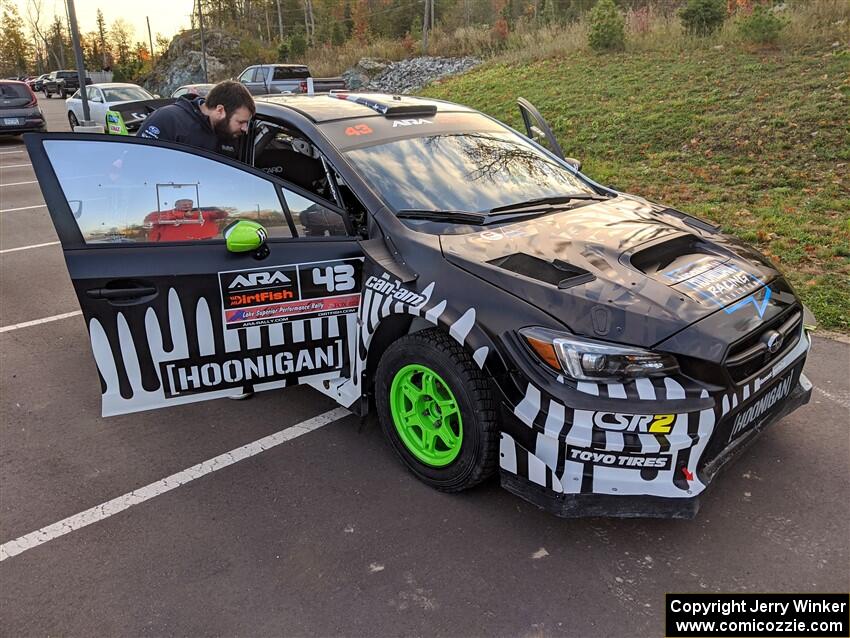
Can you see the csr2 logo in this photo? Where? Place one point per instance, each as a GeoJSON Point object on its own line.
{"type": "Point", "coordinates": [649, 423]}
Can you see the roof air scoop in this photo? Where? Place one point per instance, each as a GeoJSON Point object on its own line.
{"type": "Point", "coordinates": [388, 110]}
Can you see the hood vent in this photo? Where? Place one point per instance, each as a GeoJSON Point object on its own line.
{"type": "Point", "coordinates": [675, 260]}
{"type": "Point", "coordinates": [557, 273]}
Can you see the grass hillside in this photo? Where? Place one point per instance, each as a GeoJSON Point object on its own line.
{"type": "Point", "coordinates": [756, 142]}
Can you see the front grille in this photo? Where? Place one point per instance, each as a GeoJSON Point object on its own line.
{"type": "Point", "coordinates": [751, 355]}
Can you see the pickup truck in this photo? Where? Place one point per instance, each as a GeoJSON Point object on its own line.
{"type": "Point", "coordinates": [266, 79]}
{"type": "Point", "coordinates": [62, 83]}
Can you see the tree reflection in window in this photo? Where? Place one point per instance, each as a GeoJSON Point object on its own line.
{"type": "Point", "coordinates": [468, 172]}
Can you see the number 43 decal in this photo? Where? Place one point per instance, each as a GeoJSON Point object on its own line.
{"type": "Point", "coordinates": [359, 129]}
{"type": "Point", "coordinates": [335, 278]}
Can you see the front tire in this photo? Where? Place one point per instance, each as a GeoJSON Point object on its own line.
{"type": "Point", "coordinates": [438, 411]}
{"type": "Point", "coordinates": [72, 120]}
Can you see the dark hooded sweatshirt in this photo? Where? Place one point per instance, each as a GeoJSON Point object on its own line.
{"type": "Point", "coordinates": [183, 123]}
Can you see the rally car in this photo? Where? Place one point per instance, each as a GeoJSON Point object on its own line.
{"type": "Point", "coordinates": [499, 310]}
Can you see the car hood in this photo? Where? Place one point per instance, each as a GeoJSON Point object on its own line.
{"type": "Point", "coordinates": [622, 270]}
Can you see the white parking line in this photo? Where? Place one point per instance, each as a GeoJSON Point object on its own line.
{"type": "Point", "coordinates": [12, 210]}
{"type": "Point", "coordinates": [35, 181]}
{"type": "Point", "coordinates": [14, 250]}
{"type": "Point", "coordinates": [9, 152]}
{"type": "Point", "coordinates": [37, 322]}
{"type": "Point", "coordinates": [13, 165]}
{"type": "Point", "coordinates": [126, 501]}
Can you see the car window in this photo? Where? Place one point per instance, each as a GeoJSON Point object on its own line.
{"type": "Point", "coordinates": [126, 94]}
{"type": "Point", "coordinates": [248, 76]}
{"type": "Point", "coordinates": [13, 91]}
{"type": "Point", "coordinates": [312, 219]}
{"type": "Point", "coordinates": [472, 172]}
{"type": "Point", "coordinates": [289, 73]}
{"type": "Point", "coordinates": [179, 92]}
{"type": "Point", "coordinates": [93, 94]}
{"type": "Point", "coordinates": [127, 192]}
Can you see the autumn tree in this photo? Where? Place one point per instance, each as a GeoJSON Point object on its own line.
{"type": "Point", "coordinates": [14, 44]}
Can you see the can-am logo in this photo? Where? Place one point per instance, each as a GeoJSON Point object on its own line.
{"type": "Point", "coordinates": [393, 288]}
{"type": "Point", "coordinates": [410, 122]}
{"type": "Point", "coordinates": [254, 279]}
{"type": "Point", "coordinates": [649, 423]}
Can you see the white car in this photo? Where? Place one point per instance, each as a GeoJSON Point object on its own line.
{"type": "Point", "coordinates": [102, 97]}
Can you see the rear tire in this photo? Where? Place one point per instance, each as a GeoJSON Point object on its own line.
{"type": "Point", "coordinates": [46, 94]}
{"type": "Point", "coordinates": [438, 411]}
{"type": "Point", "coordinates": [72, 120]}
{"type": "Point", "coordinates": [62, 93]}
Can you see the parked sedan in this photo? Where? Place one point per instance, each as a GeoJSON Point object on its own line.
{"type": "Point", "coordinates": [193, 89]}
{"type": "Point", "coordinates": [19, 112]}
{"type": "Point", "coordinates": [102, 98]}
{"type": "Point", "coordinates": [37, 83]}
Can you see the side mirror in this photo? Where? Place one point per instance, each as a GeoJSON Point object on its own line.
{"type": "Point", "coordinates": [573, 162]}
{"type": "Point", "coordinates": [244, 236]}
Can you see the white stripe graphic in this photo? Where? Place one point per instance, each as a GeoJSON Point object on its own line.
{"type": "Point", "coordinates": [507, 453]}
{"type": "Point", "coordinates": [645, 389]}
{"type": "Point", "coordinates": [35, 181]}
{"type": "Point", "coordinates": [36, 322]}
{"type": "Point", "coordinates": [126, 501]}
{"type": "Point", "coordinates": [528, 408]}
{"type": "Point", "coordinates": [14, 250]}
{"type": "Point", "coordinates": [9, 152]}
{"type": "Point", "coordinates": [13, 165]}
{"type": "Point", "coordinates": [459, 330]}
{"type": "Point", "coordinates": [12, 210]}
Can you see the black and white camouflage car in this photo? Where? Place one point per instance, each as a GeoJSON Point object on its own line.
{"type": "Point", "coordinates": [502, 312]}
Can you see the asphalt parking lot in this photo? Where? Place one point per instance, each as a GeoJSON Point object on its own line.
{"type": "Point", "coordinates": [325, 533]}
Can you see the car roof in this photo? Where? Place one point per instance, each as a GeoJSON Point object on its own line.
{"type": "Point", "coordinates": [285, 66]}
{"type": "Point", "coordinates": [330, 107]}
{"type": "Point", "coordinates": [116, 85]}
{"type": "Point", "coordinates": [13, 82]}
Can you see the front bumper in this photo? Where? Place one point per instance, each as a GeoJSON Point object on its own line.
{"type": "Point", "coordinates": [564, 462]}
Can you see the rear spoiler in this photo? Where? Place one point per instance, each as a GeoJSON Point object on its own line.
{"type": "Point", "coordinates": [122, 118]}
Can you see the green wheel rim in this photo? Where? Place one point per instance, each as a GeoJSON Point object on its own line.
{"type": "Point", "coordinates": [426, 415]}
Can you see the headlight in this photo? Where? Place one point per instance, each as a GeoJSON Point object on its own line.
{"type": "Point", "coordinates": [587, 360]}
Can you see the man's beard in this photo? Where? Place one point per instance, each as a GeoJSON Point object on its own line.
{"type": "Point", "coordinates": [222, 131]}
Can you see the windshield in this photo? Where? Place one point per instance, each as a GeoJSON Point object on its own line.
{"type": "Point", "coordinates": [471, 172]}
{"type": "Point", "coordinates": [126, 94]}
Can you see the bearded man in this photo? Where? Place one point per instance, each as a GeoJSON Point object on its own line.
{"type": "Point", "coordinates": [214, 123]}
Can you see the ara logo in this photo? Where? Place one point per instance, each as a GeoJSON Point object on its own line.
{"type": "Point", "coordinates": [410, 122]}
{"type": "Point", "coordinates": [649, 423]}
{"type": "Point", "coordinates": [253, 279]}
